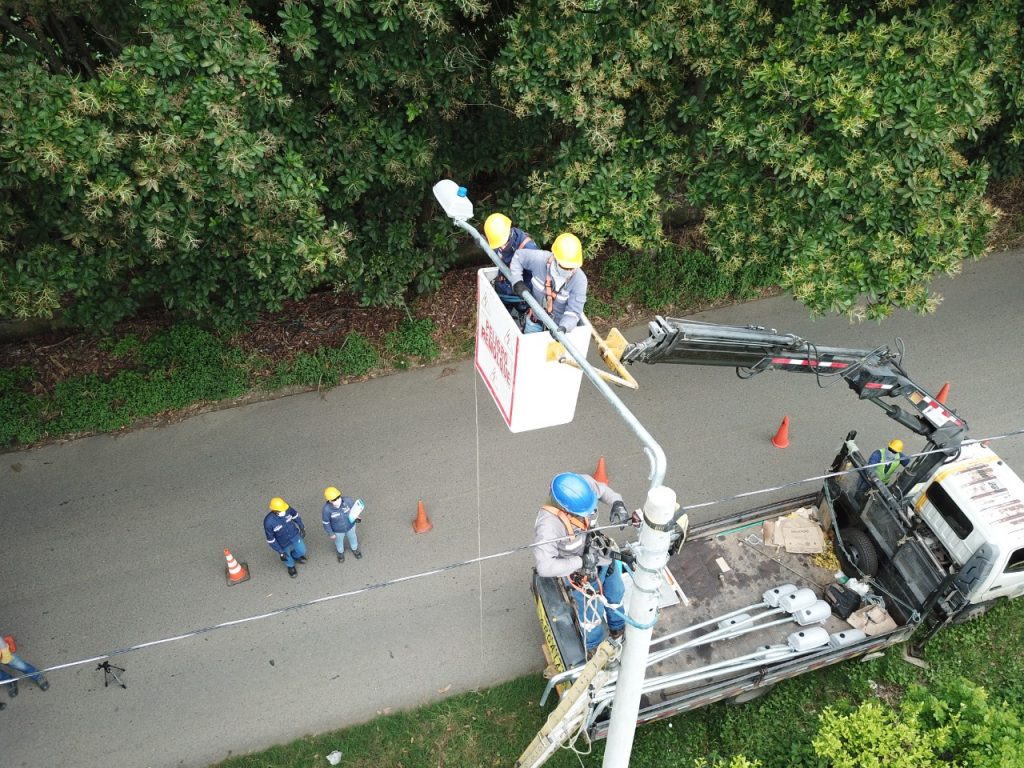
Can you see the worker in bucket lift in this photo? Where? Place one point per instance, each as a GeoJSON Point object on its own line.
{"type": "Point", "coordinates": [561, 550]}
{"type": "Point", "coordinates": [505, 240]}
{"type": "Point", "coordinates": [557, 282]}
{"type": "Point", "coordinates": [888, 461]}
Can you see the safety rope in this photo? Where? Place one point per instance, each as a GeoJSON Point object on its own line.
{"type": "Point", "coordinates": [452, 566]}
{"type": "Point", "coordinates": [479, 515]}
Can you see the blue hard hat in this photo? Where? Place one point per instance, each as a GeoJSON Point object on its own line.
{"type": "Point", "coordinates": [573, 494]}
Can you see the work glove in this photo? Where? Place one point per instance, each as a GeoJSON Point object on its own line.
{"type": "Point", "coordinates": [590, 566]}
{"type": "Point", "coordinates": [619, 515]}
{"type": "Point", "coordinates": [284, 558]}
{"type": "Point", "coordinates": [302, 532]}
{"type": "Point", "coordinates": [520, 289]}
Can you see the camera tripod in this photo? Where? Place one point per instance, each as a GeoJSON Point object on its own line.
{"type": "Point", "coordinates": [110, 671]}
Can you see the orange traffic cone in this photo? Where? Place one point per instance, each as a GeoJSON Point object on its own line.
{"type": "Point", "coordinates": [422, 523]}
{"type": "Point", "coordinates": [943, 393]}
{"type": "Point", "coordinates": [236, 573]}
{"type": "Point", "coordinates": [781, 439]}
{"type": "Point", "coordinates": [601, 475]}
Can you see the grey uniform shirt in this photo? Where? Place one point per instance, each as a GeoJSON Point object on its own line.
{"type": "Point", "coordinates": [560, 558]}
{"type": "Point", "coordinates": [570, 294]}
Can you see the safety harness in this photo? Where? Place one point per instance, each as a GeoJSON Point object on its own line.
{"type": "Point", "coordinates": [572, 523]}
{"type": "Point", "coordinates": [549, 294]}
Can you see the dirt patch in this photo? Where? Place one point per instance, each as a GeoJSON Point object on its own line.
{"type": "Point", "coordinates": [322, 319]}
{"type": "Point", "coordinates": [1008, 200]}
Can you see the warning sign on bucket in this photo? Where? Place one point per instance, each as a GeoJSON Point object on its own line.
{"type": "Point", "coordinates": [531, 388]}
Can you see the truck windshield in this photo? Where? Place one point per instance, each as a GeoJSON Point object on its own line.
{"type": "Point", "coordinates": [949, 510]}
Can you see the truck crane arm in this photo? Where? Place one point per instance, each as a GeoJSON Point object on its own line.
{"type": "Point", "coordinates": [873, 374]}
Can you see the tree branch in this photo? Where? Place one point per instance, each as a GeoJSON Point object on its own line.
{"type": "Point", "coordinates": [76, 44]}
{"type": "Point", "coordinates": [30, 40]}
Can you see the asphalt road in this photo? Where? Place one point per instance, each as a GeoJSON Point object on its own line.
{"type": "Point", "coordinates": [117, 540]}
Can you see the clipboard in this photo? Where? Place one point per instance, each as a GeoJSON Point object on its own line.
{"type": "Point", "coordinates": [356, 511]}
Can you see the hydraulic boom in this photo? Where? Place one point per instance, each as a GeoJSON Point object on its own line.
{"type": "Point", "coordinates": [873, 374]}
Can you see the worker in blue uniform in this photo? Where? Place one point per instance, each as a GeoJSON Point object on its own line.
{"type": "Point", "coordinates": [285, 534]}
{"type": "Point", "coordinates": [505, 240]}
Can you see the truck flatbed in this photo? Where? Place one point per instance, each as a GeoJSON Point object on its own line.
{"type": "Point", "coordinates": [723, 567]}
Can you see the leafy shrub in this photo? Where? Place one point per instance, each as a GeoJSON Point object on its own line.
{"type": "Point", "coordinates": [412, 339]}
{"type": "Point", "coordinates": [216, 213]}
{"type": "Point", "coordinates": [739, 761]}
{"type": "Point", "coordinates": [20, 411]}
{"type": "Point", "coordinates": [179, 367]}
{"type": "Point", "coordinates": [828, 160]}
{"type": "Point", "coordinates": [957, 725]}
{"type": "Point", "coordinates": [665, 278]}
{"type": "Point", "coordinates": [356, 356]}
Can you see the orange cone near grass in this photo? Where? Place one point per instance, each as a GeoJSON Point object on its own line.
{"type": "Point", "coordinates": [422, 523]}
{"type": "Point", "coordinates": [601, 475]}
{"type": "Point", "coordinates": [237, 572]}
{"type": "Point", "coordinates": [781, 439]}
{"type": "Point", "coordinates": [943, 393]}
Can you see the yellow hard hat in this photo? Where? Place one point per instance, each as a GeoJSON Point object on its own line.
{"type": "Point", "coordinates": [331, 493]}
{"type": "Point", "coordinates": [497, 228]}
{"type": "Point", "coordinates": [568, 251]}
{"type": "Point", "coordinates": [277, 504]}
{"type": "Point", "coordinates": [896, 445]}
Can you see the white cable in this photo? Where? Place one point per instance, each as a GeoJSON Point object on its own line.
{"type": "Point", "coordinates": [479, 545]}
{"type": "Point", "coordinates": [433, 572]}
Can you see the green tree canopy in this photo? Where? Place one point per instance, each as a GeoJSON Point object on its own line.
{"type": "Point", "coordinates": [219, 158]}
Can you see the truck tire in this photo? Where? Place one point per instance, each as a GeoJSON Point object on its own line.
{"type": "Point", "coordinates": [751, 695]}
{"type": "Point", "coordinates": [972, 612]}
{"type": "Point", "coordinates": [860, 552]}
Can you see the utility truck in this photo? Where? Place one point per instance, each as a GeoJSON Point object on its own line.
{"type": "Point", "coordinates": [940, 543]}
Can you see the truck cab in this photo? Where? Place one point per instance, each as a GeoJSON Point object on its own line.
{"type": "Point", "coordinates": [976, 503]}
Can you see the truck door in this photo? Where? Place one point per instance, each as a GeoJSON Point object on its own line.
{"type": "Point", "coordinates": [1009, 580]}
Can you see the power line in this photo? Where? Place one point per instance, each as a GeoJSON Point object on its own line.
{"type": "Point", "coordinates": [457, 565]}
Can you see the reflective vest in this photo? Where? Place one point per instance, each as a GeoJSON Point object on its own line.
{"type": "Point", "coordinates": [889, 468]}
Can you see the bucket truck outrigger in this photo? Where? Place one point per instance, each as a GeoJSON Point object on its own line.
{"type": "Point", "coordinates": [939, 544]}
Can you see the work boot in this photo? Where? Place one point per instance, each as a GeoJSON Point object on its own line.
{"type": "Point", "coordinates": [358, 554]}
{"type": "Point", "coordinates": [302, 559]}
{"type": "Point", "coordinates": [44, 684]}
{"type": "Point", "coordinates": [293, 571]}
{"type": "Point", "coordinates": [341, 557]}
{"type": "Point", "coordinates": [12, 690]}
